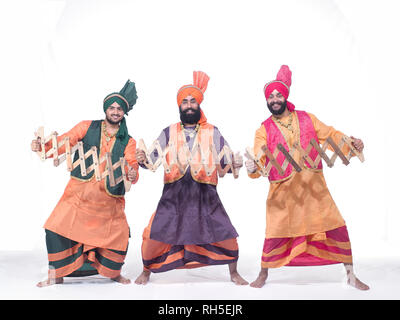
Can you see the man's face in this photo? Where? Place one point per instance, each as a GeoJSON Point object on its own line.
{"type": "Point", "coordinates": [189, 110]}
{"type": "Point", "coordinates": [114, 113]}
{"type": "Point", "coordinates": [276, 102]}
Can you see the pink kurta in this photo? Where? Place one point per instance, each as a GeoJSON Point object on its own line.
{"type": "Point", "coordinates": [301, 205]}
{"type": "Point", "coordinates": [86, 212]}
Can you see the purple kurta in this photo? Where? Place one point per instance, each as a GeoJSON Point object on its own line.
{"type": "Point", "coordinates": [190, 212]}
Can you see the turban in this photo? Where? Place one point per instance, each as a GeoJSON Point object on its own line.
{"type": "Point", "coordinates": [282, 84]}
{"type": "Point", "coordinates": [126, 98]}
{"type": "Point", "coordinates": [196, 90]}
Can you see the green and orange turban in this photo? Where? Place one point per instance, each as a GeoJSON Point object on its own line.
{"type": "Point", "coordinates": [126, 98]}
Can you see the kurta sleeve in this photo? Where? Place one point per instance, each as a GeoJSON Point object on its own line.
{"type": "Point", "coordinates": [76, 134]}
{"type": "Point", "coordinates": [163, 140]}
{"type": "Point", "coordinates": [219, 143]}
{"type": "Point", "coordinates": [260, 139]}
{"type": "Point", "coordinates": [324, 132]}
{"type": "Point", "coordinates": [130, 157]}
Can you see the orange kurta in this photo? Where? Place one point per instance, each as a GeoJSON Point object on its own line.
{"type": "Point", "coordinates": [301, 205]}
{"type": "Point", "coordinates": [86, 212]}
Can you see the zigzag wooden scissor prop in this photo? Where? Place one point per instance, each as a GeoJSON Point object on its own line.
{"type": "Point", "coordinates": [68, 157]}
{"type": "Point", "coordinates": [185, 157]}
{"type": "Point", "coordinates": [304, 153]}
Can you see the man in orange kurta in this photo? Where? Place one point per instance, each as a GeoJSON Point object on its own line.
{"type": "Point", "coordinates": [87, 232]}
{"type": "Point", "coordinates": [304, 225]}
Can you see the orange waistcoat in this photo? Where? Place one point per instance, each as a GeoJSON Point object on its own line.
{"type": "Point", "coordinates": [179, 152]}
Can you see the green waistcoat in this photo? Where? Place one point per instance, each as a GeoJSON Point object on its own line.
{"type": "Point", "coordinates": [92, 138]}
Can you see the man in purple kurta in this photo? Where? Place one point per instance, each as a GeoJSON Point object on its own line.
{"type": "Point", "coordinates": [190, 227]}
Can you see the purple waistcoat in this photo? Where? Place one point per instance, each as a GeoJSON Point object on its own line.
{"type": "Point", "coordinates": [275, 136]}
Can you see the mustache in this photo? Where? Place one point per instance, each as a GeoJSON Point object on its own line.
{"type": "Point", "coordinates": [189, 109]}
{"type": "Point", "coordinates": [112, 121]}
{"type": "Point", "coordinates": [280, 103]}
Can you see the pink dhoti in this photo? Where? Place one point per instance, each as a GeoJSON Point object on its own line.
{"type": "Point", "coordinates": [329, 247]}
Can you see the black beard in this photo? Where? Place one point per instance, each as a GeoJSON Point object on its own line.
{"type": "Point", "coordinates": [280, 110]}
{"type": "Point", "coordinates": [190, 118]}
{"type": "Point", "coordinates": [112, 121]}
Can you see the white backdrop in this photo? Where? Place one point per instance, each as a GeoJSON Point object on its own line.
{"type": "Point", "coordinates": [61, 58]}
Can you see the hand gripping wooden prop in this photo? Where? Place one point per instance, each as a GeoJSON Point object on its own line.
{"type": "Point", "coordinates": [304, 155]}
{"type": "Point", "coordinates": [68, 157]}
{"type": "Point", "coordinates": [184, 158]}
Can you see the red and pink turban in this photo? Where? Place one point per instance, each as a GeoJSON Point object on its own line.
{"type": "Point", "coordinates": [282, 84]}
{"type": "Point", "coordinates": [196, 90]}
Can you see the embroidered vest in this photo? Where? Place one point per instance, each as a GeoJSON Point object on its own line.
{"type": "Point", "coordinates": [177, 140]}
{"type": "Point", "coordinates": [92, 138]}
{"type": "Point", "coordinates": [275, 136]}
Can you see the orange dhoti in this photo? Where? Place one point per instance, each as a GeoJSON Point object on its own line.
{"type": "Point", "coordinates": [159, 256]}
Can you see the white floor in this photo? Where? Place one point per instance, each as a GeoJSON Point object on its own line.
{"type": "Point", "coordinates": [20, 271]}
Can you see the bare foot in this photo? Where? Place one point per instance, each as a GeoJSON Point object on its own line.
{"type": "Point", "coordinates": [143, 278]}
{"type": "Point", "coordinates": [352, 280]}
{"type": "Point", "coordinates": [261, 279]}
{"type": "Point", "coordinates": [235, 276]}
{"type": "Point", "coordinates": [356, 283]}
{"type": "Point", "coordinates": [121, 279]}
{"type": "Point", "coordinates": [237, 279]}
{"type": "Point", "coordinates": [50, 282]}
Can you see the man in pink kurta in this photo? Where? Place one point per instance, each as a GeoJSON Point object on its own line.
{"type": "Point", "coordinates": [304, 225]}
